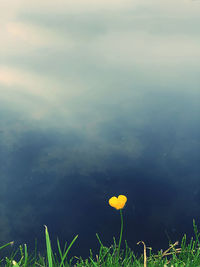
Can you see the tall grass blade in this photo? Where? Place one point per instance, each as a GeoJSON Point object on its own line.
{"type": "Point", "coordinates": [70, 245]}
{"type": "Point", "coordinates": [25, 255]}
{"type": "Point", "coordinates": [48, 245]}
{"type": "Point", "coordinates": [59, 249]}
{"type": "Point", "coordinates": [8, 244]}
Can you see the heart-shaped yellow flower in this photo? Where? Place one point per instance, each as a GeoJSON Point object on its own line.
{"type": "Point", "coordinates": [118, 202]}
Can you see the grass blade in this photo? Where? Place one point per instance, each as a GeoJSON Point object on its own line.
{"type": "Point", "coordinates": [48, 245]}
{"type": "Point", "coordinates": [65, 255]}
{"type": "Point", "coordinates": [8, 244]}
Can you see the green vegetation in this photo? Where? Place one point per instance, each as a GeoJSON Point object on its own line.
{"type": "Point", "coordinates": [188, 254]}
{"type": "Point", "coordinates": [185, 255]}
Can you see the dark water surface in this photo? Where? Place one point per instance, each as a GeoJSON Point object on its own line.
{"type": "Point", "coordinates": [63, 179]}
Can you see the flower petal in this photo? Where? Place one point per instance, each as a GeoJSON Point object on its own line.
{"type": "Point", "coordinates": [118, 203]}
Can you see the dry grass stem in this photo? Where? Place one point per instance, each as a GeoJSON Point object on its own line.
{"type": "Point", "coordinates": [145, 252]}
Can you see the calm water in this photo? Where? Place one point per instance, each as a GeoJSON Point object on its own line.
{"type": "Point", "coordinates": [63, 178]}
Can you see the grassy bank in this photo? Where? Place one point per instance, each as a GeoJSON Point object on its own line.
{"type": "Point", "coordinates": [187, 253]}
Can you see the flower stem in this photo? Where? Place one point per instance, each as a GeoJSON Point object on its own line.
{"type": "Point", "coordinates": [120, 238]}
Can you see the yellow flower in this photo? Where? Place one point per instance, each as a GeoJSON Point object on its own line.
{"type": "Point", "coordinates": [118, 202]}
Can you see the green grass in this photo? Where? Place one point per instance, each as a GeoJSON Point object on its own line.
{"type": "Point", "coordinates": [186, 254]}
